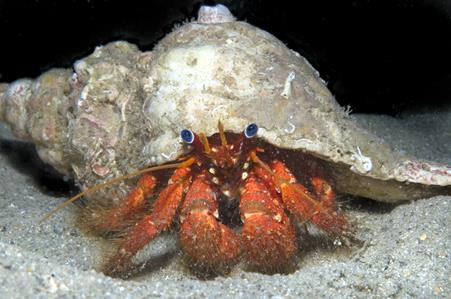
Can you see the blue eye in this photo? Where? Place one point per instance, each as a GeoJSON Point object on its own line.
{"type": "Point", "coordinates": [187, 136]}
{"type": "Point", "coordinates": [251, 130]}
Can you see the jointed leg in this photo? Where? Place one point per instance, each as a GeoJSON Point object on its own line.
{"type": "Point", "coordinates": [133, 204]}
{"type": "Point", "coordinates": [319, 208]}
{"type": "Point", "coordinates": [161, 218]}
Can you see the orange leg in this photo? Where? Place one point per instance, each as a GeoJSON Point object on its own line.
{"type": "Point", "coordinates": [268, 237]}
{"type": "Point", "coordinates": [161, 218]}
{"type": "Point", "coordinates": [204, 240]}
{"type": "Point", "coordinates": [324, 191]}
{"type": "Point", "coordinates": [319, 208]}
{"type": "Point", "coordinates": [133, 204]}
{"type": "Point", "coordinates": [327, 214]}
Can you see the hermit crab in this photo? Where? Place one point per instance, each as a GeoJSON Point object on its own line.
{"type": "Point", "coordinates": [120, 110]}
{"type": "Point", "coordinates": [216, 171]}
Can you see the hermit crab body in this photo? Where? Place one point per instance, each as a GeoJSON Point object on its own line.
{"type": "Point", "coordinates": [212, 173]}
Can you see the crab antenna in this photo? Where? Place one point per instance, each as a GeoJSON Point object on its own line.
{"type": "Point", "coordinates": [257, 160]}
{"type": "Point", "coordinates": [108, 183]}
{"type": "Point", "coordinates": [204, 139]}
{"type": "Point", "coordinates": [221, 133]}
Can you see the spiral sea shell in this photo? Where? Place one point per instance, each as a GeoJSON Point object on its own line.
{"type": "Point", "coordinates": [121, 109]}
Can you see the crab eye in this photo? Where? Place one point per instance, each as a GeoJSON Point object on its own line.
{"type": "Point", "coordinates": [251, 130]}
{"type": "Point", "coordinates": [187, 136]}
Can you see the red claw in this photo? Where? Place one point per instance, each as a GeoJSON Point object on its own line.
{"type": "Point", "coordinates": [205, 240]}
{"type": "Point", "coordinates": [269, 239]}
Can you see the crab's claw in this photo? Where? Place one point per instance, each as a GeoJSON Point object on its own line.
{"type": "Point", "coordinates": [204, 240]}
{"type": "Point", "coordinates": [268, 237]}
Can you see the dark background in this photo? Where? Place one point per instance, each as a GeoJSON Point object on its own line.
{"type": "Point", "coordinates": [377, 56]}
